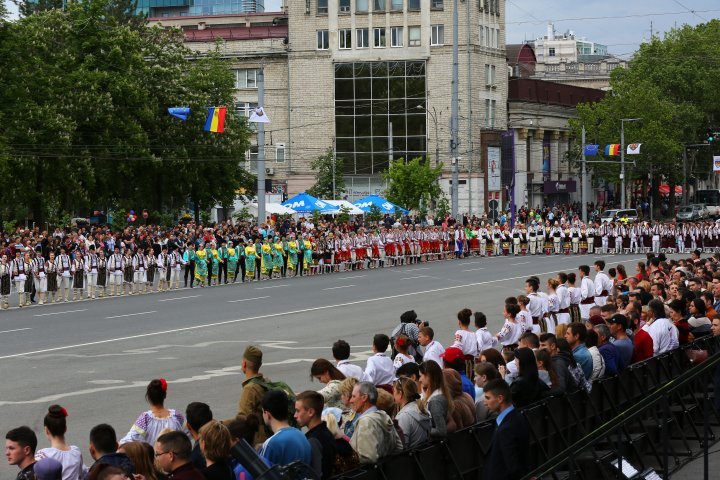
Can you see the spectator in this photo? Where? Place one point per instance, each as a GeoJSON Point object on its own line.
{"type": "Point", "coordinates": [325, 372]}
{"type": "Point", "coordinates": [308, 408]}
{"type": "Point", "coordinates": [464, 339]}
{"type": "Point", "coordinates": [663, 333]}
{"type": "Point", "coordinates": [591, 342]}
{"type": "Point", "coordinates": [699, 320]}
{"type": "Point", "coordinates": [411, 371]}
{"type": "Point", "coordinates": [408, 327]}
{"type": "Point", "coordinates": [708, 299]}
{"type": "Point", "coordinates": [69, 456]}
{"type": "Point", "coordinates": [716, 377]}
{"type": "Point", "coordinates": [215, 443]}
{"type": "Point", "coordinates": [287, 444]}
{"type": "Point", "coordinates": [454, 358]}
{"type": "Point", "coordinates": [493, 356]}
{"type": "Point", "coordinates": [433, 349]}
{"type": "Point", "coordinates": [436, 396]}
{"type": "Point", "coordinates": [676, 308]}
{"type": "Point", "coordinates": [149, 424]}
{"type": "Point", "coordinates": [463, 413]}
{"type": "Point", "coordinates": [576, 380]}
{"type": "Point", "coordinates": [642, 341]}
{"type": "Point", "coordinates": [198, 414]}
{"type": "Point", "coordinates": [546, 369]}
{"type": "Point", "coordinates": [609, 351]}
{"type": "Point", "coordinates": [375, 436]}
{"type": "Point", "coordinates": [380, 370]}
{"type": "Point", "coordinates": [172, 457]}
{"type": "Point", "coordinates": [484, 372]}
{"type": "Point", "coordinates": [527, 387]}
{"type": "Point", "coordinates": [412, 418]}
{"type": "Point", "coordinates": [483, 335]}
{"type": "Point", "coordinates": [242, 427]}
{"type": "Point", "coordinates": [253, 389]}
{"type": "Point", "coordinates": [618, 326]}
{"type": "Point", "coordinates": [575, 337]}
{"type": "Point", "coordinates": [103, 449]}
{"type": "Point", "coordinates": [402, 346]}
{"type": "Point", "coordinates": [385, 403]}
{"type": "Point", "coordinates": [341, 354]}
{"type": "Point", "coordinates": [142, 456]}
{"type": "Point", "coordinates": [507, 458]}
{"type": "Point", "coordinates": [20, 445]}
{"type": "Point", "coordinates": [50, 469]}
{"type": "Point", "coordinates": [529, 340]}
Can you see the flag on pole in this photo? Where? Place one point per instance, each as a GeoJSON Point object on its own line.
{"type": "Point", "coordinates": [179, 112]}
{"type": "Point", "coordinates": [215, 120]}
{"type": "Point", "coordinates": [591, 150]}
{"type": "Point", "coordinates": [612, 150]}
{"type": "Point", "coordinates": [259, 116]}
{"type": "Point", "coordinates": [634, 149]}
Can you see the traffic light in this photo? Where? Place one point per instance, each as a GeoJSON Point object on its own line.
{"type": "Point", "coordinates": [711, 135]}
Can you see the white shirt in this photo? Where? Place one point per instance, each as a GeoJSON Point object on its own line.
{"type": "Point", "coordinates": [510, 332]}
{"type": "Point", "coordinates": [602, 282]}
{"type": "Point", "coordinates": [71, 461]}
{"type": "Point", "coordinates": [350, 370]}
{"type": "Point", "coordinates": [575, 295]}
{"type": "Point", "coordinates": [563, 295]}
{"type": "Point", "coordinates": [380, 370]}
{"type": "Point", "coordinates": [466, 341]}
{"type": "Point", "coordinates": [401, 359]}
{"type": "Point", "coordinates": [525, 319]}
{"type": "Point", "coordinates": [587, 288]}
{"type": "Point", "coordinates": [664, 335]}
{"type": "Point", "coordinates": [484, 339]}
{"type": "Point", "coordinates": [432, 352]}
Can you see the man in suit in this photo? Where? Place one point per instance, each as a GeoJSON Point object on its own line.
{"type": "Point", "coordinates": [507, 458]}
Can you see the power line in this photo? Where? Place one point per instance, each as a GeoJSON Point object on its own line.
{"type": "Point", "coordinates": [612, 17]}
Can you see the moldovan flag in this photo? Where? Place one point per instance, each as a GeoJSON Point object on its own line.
{"type": "Point", "coordinates": [634, 149]}
{"type": "Point", "coordinates": [215, 120]}
{"type": "Point", "coordinates": [612, 150]}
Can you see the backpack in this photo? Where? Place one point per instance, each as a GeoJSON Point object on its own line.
{"type": "Point", "coordinates": [284, 387]}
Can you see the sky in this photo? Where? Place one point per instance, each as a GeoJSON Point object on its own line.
{"type": "Point", "coordinates": [620, 24]}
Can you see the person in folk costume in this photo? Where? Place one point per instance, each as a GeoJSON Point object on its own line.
{"type": "Point", "coordinates": [188, 259]}
{"type": "Point", "coordinates": [163, 269]}
{"type": "Point", "coordinates": [211, 257]}
{"type": "Point", "coordinates": [619, 233]}
{"type": "Point", "coordinates": [307, 253]}
{"type": "Point", "coordinates": [482, 238]}
{"type": "Point", "coordinates": [115, 271]}
{"type": "Point", "coordinates": [597, 239]}
{"type": "Point", "coordinates": [222, 257]}
{"type": "Point", "coordinates": [523, 239]}
{"type": "Point", "coordinates": [531, 237]}
{"type": "Point", "coordinates": [353, 242]}
{"type": "Point", "coordinates": [78, 272]}
{"type": "Point", "coordinates": [201, 266]}
{"type": "Point", "coordinates": [151, 262]}
{"type": "Point", "coordinates": [551, 319]}
{"type": "Point", "coordinates": [128, 272]}
{"type": "Point", "coordinates": [232, 261]}
{"type": "Point", "coordinates": [250, 257]}
{"type": "Point", "coordinates": [563, 294]}
{"type": "Point", "coordinates": [586, 238]}
{"type": "Point", "coordinates": [566, 239]}
{"type": "Point", "coordinates": [516, 240]}
{"type": "Point", "coordinates": [19, 275]}
{"type": "Point", "coordinates": [91, 271]}
{"type": "Point", "coordinates": [575, 238]}
{"type": "Point", "coordinates": [64, 265]}
{"type": "Point", "coordinates": [277, 257]}
{"type": "Point", "coordinates": [39, 272]}
{"type": "Point", "coordinates": [292, 255]}
{"type": "Point", "coordinates": [634, 235]}
{"type": "Point", "coordinates": [102, 277]}
{"type": "Point", "coordinates": [557, 235]}
{"type": "Point", "coordinates": [605, 232]}
{"type": "Point", "coordinates": [139, 271]}
{"type": "Point", "coordinates": [258, 257]}
{"type": "Point", "coordinates": [29, 283]}
{"type": "Point", "coordinates": [175, 268]}
{"type": "Point", "coordinates": [51, 275]}
{"type": "Point", "coordinates": [266, 262]}
{"type": "Point", "coordinates": [575, 298]}
{"type": "Point", "coordinates": [240, 257]}
{"type": "Point", "coordinates": [497, 240]}
{"type": "Point", "coordinates": [5, 274]}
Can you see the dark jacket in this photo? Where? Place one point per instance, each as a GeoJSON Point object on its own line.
{"type": "Point", "coordinates": [507, 458]}
{"type": "Point", "coordinates": [526, 391]}
{"type": "Point", "coordinates": [324, 450]}
{"type": "Point", "coordinates": [219, 471]}
{"type": "Point", "coordinates": [197, 458]}
{"type": "Point", "coordinates": [119, 460]}
{"type": "Point", "coordinates": [561, 363]}
{"type": "Point", "coordinates": [186, 472]}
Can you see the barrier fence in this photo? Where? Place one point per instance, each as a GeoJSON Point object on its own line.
{"type": "Point", "coordinates": [651, 419]}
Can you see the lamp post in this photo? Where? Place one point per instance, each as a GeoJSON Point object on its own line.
{"type": "Point", "coordinates": [434, 117]}
{"type": "Point", "coordinates": [622, 157]}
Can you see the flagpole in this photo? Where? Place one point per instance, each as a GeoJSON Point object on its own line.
{"type": "Point", "coordinates": [583, 181]}
{"type": "Point", "coordinates": [261, 148]}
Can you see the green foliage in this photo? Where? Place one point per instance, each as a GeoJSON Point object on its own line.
{"type": "Point", "coordinates": [323, 167]}
{"type": "Point", "coordinates": [374, 214]}
{"type": "Point", "coordinates": [442, 210]}
{"type": "Point", "coordinates": [343, 216]}
{"type": "Point", "coordinates": [30, 7]}
{"type": "Point", "coordinates": [411, 182]}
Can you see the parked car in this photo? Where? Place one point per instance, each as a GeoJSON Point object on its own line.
{"type": "Point", "coordinates": [702, 210]}
{"type": "Point", "coordinates": [688, 214]}
{"type": "Point", "coordinates": [630, 214]}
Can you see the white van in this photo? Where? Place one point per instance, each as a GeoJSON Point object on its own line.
{"type": "Point", "coordinates": [616, 215]}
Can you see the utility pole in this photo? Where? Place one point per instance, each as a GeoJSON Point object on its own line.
{"type": "Point", "coordinates": [622, 157]}
{"type": "Point", "coordinates": [333, 165]}
{"type": "Point", "coordinates": [455, 116]}
{"type": "Point", "coordinates": [583, 181]}
{"type": "Point", "coordinates": [685, 177]}
{"type": "Point", "coordinates": [390, 145]}
{"type": "Point", "coordinates": [261, 147]}
{"type": "Point", "coordinates": [469, 149]}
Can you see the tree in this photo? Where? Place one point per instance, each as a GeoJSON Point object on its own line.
{"type": "Point", "coordinates": [327, 166]}
{"type": "Point", "coordinates": [411, 182]}
{"type": "Point", "coordinates": [30, 7]}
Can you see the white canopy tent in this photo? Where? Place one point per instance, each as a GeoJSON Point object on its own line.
{"type": "Point", "coordinates": [344, 204]}
{"type": "Point", "coordinates": [270, 208]}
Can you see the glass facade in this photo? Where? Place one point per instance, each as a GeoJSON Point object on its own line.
{"type": "Point", "coordinates": [368, 97]}
{"type": "Point", "coordinates": [180, 8]}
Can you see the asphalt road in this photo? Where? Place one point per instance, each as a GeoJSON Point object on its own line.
{"type": "Point", "coordinates": [96, 357]}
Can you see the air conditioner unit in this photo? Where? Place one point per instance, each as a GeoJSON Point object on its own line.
{"type": "Point", "coordinates": [269, 171]}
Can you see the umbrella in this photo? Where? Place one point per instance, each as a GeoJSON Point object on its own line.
{"type": "Point", "coordinates": [385, 206]}
{"type": "Point", "coordinates": [352, 209]}
{"type": "Point", "coordinates": [304, 203]}
{"type": "Point", "coordinates": [270, 208]}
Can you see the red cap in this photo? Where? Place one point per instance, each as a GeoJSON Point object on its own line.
{"type": "Point", "coordinates": [452, 355]}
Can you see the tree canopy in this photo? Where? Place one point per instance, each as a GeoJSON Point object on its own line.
{"type": "Point", "coordinates": [413, 182]}
{"type": "Point", "coordinates": [324, 166]}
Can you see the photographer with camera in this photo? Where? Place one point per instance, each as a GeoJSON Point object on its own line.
{"type": "Point", "coordinates": [410, 327]}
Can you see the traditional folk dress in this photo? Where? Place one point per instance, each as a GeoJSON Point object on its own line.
{"type": "Point", "coordinates": [250, 257]}
{"type": "Point", "coordinates": [201, 270]}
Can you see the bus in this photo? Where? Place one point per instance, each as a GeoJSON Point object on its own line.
{"type": "Point", "coordinates": [711, 200]}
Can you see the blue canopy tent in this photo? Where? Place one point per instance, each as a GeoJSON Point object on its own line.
{"type": "Point", "coordinates": [304, 203]}
{"type": "Point", "coordinates": [385, 206]}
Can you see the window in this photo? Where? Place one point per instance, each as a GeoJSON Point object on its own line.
{"type": "Point", "coordinates": [489, 75]}
{"type": "Point", "coordinates": [551, 52]}
{"type": "Point", "coordinates": [490, 106]}
{"type": "Point", "coordinates": [379, 34]}
{"type": "Point", "coordinates": [345, 37]}
{"type": "Point", "coordinates": [481, 5]}
{"type": "Point", "coordinates": [344, 6]}
{"type": "Point", "coordinates": [246, 78]}
{"type": "Point", "coordinates": [436, 4]}
{"type": "Point", "coordinates": [497, 38]}
{"type": "Point", "coordinates": [378, 5]}
{"type": "Point", "coordinates": [361, 6]}
{"type": "Point", "coordinates": [251, 158]}
{"type": "Point", "coordinates": [396, 5]}
{"type": "Point", "coordinates": [322, 7]}
{"type": "Point", "coordinates": [396, 36]}
{"type": "Point", "coordinates": [245, 109]}
{"type": "Point", "coordinates": [280, 153]}
{"type": "Point", "coordinates": [414, 36]}
{"type": "Point", "coordinates": [413, 4]}
{"type": "Point", "coordinates": [362, 38]}
{"type": "Point", "coordinates": [323, 40]}
{"type": "Point", "coordinates": [438, 35]}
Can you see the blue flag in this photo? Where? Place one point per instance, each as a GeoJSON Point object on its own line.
{"type": "Point", "coordinates": [591, 150]}
{"type": "Point", "coordinates": [179, 112]}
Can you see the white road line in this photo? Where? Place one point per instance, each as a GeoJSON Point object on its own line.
{"type": "Point", "coordinates": [473, 269]}
{"type": "Point", "coordinates": [131, 314]}
{"type": "Point", "coordinates": [412, 278]}
{"type": "Point", "coordinates": [59, 313]}
{"type": "Point", "coordinates": [518, 263]}
{"type": "Point", "coordinates": [341, 286]}
{"type": "Point", "coordinates": [248, 299]}
{"type": "Point", "coordinates": [271, 315]}
{"type": "Point", "coordinates": [177, 298]}
{"type": "Point", "coordinates": [273, 286]}
{"type": "Point", "coordinates": [15, 330]}
{"type": "Point", "coordinates": [417, 269]}
{"type": "Point", "coordinates": [352, 277]}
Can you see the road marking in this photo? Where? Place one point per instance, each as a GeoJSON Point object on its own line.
{"type": "Point", "coordinates": [352, 277]}
{"type": "Point", "coordinates": [418, 269]}
{"type": "Point", "coordinates": [178, 298]}
{"type": "Point", "coordinates": [273, 286]}
{"type": "Point", "coordinates": [15, 330]}
{"type": "Point", "coordinates": [412, 278]}
{"type": "Point", "coordinates": [519, 263]}
{"type": "Point", "coordinates": [59, 313]}
{"type": "Point", "coordinates": [248, 299]}
{"type": "Point", "coordinates": [131, 314]}
{"type": "Point", "coordinates": [341, 286]}
{"type": "Point", "coordinates": [474, 269]}
{"type": "Point", "coordinates": [271, 315]}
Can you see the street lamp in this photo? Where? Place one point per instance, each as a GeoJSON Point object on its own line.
{"type": "Point", "coordinates": [434, 116]}
{"type": "Point", "coordinates": [622, 157]}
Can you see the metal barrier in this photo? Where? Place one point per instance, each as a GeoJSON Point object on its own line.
{"type": "Point", "coordinates": [654, 416]}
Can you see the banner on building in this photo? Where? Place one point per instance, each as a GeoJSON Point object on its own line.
{"type": "Point", "coordinates": [546, 160]}
{"type": "Point", "coordinates": [559, 186]}
{"type": "Point", "coordinates": [493, 169]}
{"type": "Point", "coordinates": [716, 163]}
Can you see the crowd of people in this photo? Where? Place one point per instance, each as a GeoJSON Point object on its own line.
{"type": "Point", "coordinates": [92, 262]}
{"type": "Point", "coordinates": [556, 338]}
